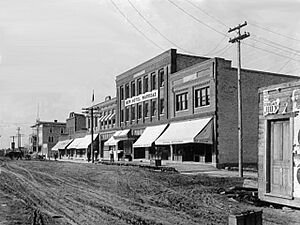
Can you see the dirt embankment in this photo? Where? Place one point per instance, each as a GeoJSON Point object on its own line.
{"type": "Point", "coordinates": [43, 192]}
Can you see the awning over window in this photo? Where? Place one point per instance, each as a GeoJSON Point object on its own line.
{"type": "Point", "coordinates": [82, 143]}
{"type": "Point", "coordinates": [103, 118]}
{"type": "Point", "coordinates": [111, 141]}
{"type": "Point", "coordinates": [187, 132]}
{"type": "Point", "coordinates": [121, 134]}
{"type": "Point", "coordinates": [61, 144]}
{"type": "Point", "coordinates": [111, 116]}
{"type": "Point", "coordinates": [149, 135]}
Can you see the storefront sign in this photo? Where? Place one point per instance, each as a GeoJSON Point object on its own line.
{"type": "Point", "coordinates": [141, 98]}
{"type": "Point", "coordinates": [271, 107]}
{"type": "Point", "coordinates": [296, 100]}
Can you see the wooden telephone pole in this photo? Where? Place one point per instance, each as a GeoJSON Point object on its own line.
{"type": "Point", "coordinates": [237, 40]}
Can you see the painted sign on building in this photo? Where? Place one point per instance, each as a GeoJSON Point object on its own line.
{"type": "Point", "coordinates": [141, 98]}
{"type": "Point", "coordinates": [271, 107]}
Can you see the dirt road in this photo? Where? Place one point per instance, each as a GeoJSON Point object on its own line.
{"type": "Point", "coordinates": [49, 192]}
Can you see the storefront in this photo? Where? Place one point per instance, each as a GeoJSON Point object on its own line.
{"type": "Point", "coordinates": [61, 146]}
{"type": "Point", "coordinates": [187, 141]}
{"type": "Point", "coordinates": [80, 148]}
{"type": "Point", "coordinates": [120, 144]}
{"type": "Point", "coordinates": [144, 147]}
{"type": "Point", "coordinates": [279, 144]}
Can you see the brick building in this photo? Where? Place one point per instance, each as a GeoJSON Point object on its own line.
{"type": "Point", "coordinates": [104, 123]}
{"type": "Point", "coordinates": [47, 134]}
{"type": "Point", "coordinates": [76, 122]}
{"type": "Point", "coordinates": [184, 108]}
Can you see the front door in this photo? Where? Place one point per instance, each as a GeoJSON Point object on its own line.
{"type": "Point", "coordinates": [280, 158]}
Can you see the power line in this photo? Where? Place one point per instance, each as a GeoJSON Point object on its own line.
{"type": "Point", "coordinates": [195, 18]}
{"type": "Point", "coordinates": [160, 33]}
{"type": "Point", "coordinates": [271, 31]}
{"type": "Point", "coordinates": [212, 51]}
{"type": "Point", "coordinates": [271, 52]}
{"type": "Point", "coordinates": [206, 13]}
{"type": "Point", "coordinates": [135, 27]}
{"type": "Point", "coordinates": [277, 46]}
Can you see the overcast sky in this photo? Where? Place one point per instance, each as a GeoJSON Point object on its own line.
{"type": "Point", "coordinates": [55, 52]}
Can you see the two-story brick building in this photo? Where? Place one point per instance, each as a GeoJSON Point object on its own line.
{"type": "Point", "coordinates": [47, 134]}
{"type": "Point", "coordinates": [184, 108]}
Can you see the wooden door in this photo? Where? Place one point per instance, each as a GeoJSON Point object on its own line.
{"type": "Point", "coordinates": [280, 159]}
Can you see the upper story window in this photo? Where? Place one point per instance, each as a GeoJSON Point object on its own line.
{"type": "Point", "coordinates": [182, 101]}
{"type": "Point", "coordinates": [153, 108]}
{"type": "Point", "coordinates": [50, 139]}
{"type": "Point", "coordinates": [126, 91]}
{"type": "Point", "coordinates": [121, 92]}
{"type": "Point", "coordinates": [96, 121]}
{"type": "Point", "coordinates": [132, 88]}
{"type": "Point", "coordinates": [139, 86]}
{"type": "Point", "coordinates": [140, 111]}
{"type": "Point", "coordinates": [202, 97]}
{"type": "Point", "coordinates": [153, 81]}
{"type": "Point", "coordinates": [146, 109]}
{"type": "Point", "coordinates": [162, 106]}
{"type": "Point", "coordinates": [62, 130]}
{"type": "Point", "coordinates": [89, 122]}
{"type": "Point", "coordinates": [122, 115]}
{"type": "Point", "coordinates": [50, 130]}
{"type": "Point", "coordinates": [127, 114]}
{"type": "Point", "coordinates": [161, 77]}
{"type": "Point", "coordinates": [146, 84]}
{"type": "Point", "coordinates": [132, 112]}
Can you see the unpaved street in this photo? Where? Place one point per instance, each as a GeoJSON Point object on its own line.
{"type": "Point", "coordinates": [48, 192]}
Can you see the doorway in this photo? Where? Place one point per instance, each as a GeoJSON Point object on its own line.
{"type": "Point", "coordinates": [279, 156]}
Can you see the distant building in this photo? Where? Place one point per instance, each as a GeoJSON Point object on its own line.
{"type": "Point", "coordinates": [76, 122]}
{"type": "Point", "coordinates": [47, 134]}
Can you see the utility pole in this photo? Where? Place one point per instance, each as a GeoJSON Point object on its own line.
{"type": "Point", "coordinates": [90, 111]}
{"type": "Point", "coordinates": [238, 39]}
{"type": "Point", "coordinates": [37, 128]}
{"type": "Point", "coordinates": [13, 142]}
{"type": "Point", "coordinates": [19, 135]}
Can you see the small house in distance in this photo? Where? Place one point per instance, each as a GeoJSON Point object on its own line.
{"type": "Point", "coordinates": [279, 144]}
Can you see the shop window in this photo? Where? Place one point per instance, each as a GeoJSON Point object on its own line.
{"type": "Point", "coordinates": [146, 84]}
{"type": "Point", "coordinates": [202, 97]}
{"type": "Point", "coordinates": [181, 101]}
{"type": "Point", "coordinates": [162, 106]}
{"type": "Point", "coordinates": [153, 108]}
{"type": "Point", "coordinates": [132, 88]}
{"type": "Point", "coordinates": [121, 93]}
{"type": "Point", "coordinates": [127, 114]}
{"type": "Point", "coordinates": [139, 111]}
{"type": "Point", "coordinates": [153, 81]}
{"type": "Point", "coordinates": [122, 115]}
{"type": "Point", "coordinates": [161, 77]}
{"type": "Point", "coordinates": [132, 112]}
{"type": "Point", "coordinates": [139, 86]}
{"type": "Point", "coordinates": [126, 91]}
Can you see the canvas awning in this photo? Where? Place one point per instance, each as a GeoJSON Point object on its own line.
{"type": "Point", "coordinates": [82, 143]}
{"type": "Point", "coordinates": [111, 141]}
{"type": "Point", "coordinates": [193, 131]}
{"type": "Point", "coordinates": [121, 134]}
{"type": "Point", "coordinates": [61, 144]}
{"type": "Point", "coordinates": [149, 136]}
{"type": "Point", "coordinates": [111, 116]}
